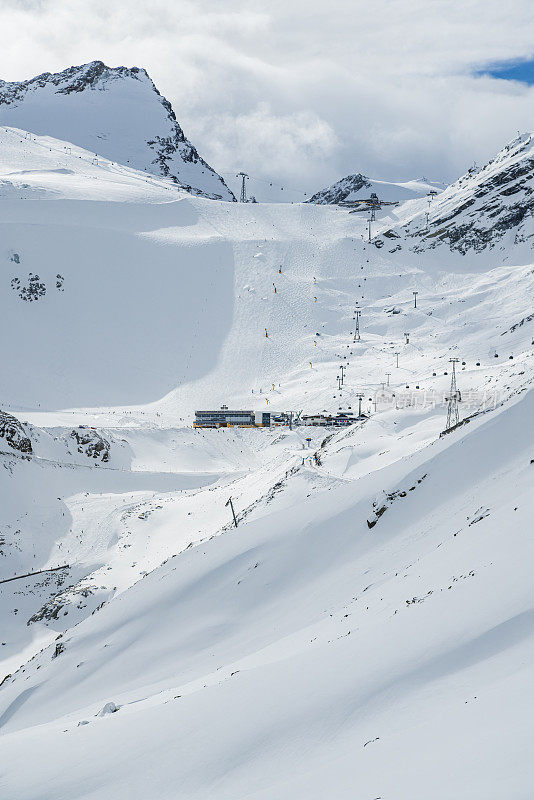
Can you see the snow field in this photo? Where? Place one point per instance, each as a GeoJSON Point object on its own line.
{"type": "Point", "coordinates": [367, 629]}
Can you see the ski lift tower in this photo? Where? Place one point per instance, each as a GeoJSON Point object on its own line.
{"type": "Point", "coordinates": [360, 396]}
{"type": "Point", "coordinates": [244, 177]}
{"type": "Point", "coordinates": [374, 203]}
{"type": "Point", "coordinates": [370, 204]}
{"type": "Point", "coordinates": [358, 313]}
{"type": "Point", "coordinates": [453, 398]}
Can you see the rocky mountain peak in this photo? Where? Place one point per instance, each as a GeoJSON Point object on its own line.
{"type": "Point", "coordinates": [116, 112]}
{"type": "Point", "coordinates": [340, 191]}
{"type": "Point", "coordinates": [483, 206]}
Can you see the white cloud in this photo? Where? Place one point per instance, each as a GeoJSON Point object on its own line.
{"type": "Point", "coordinates": [278, 145]}
{"type": "Point", "coordinates": [303, 90]}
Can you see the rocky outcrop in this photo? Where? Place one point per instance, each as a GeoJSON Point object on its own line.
{"type": "Point", "coordinates": [91, 443]}
{"type": "Point", "coordinates": [13, 432]}
{"type": "Point", "coordinates": [341, 190]}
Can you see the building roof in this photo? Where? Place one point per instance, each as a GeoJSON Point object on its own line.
{"type": "Point", "coordinates": [225, 411]}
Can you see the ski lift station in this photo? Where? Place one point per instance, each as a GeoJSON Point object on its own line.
{"type": "Point", "coordinates": [327, 421]}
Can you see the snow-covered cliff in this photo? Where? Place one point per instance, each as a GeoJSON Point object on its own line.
{"type": "Point", "coordinates": [488, 208]}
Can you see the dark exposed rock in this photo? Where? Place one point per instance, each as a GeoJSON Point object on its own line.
{"type": "Point", "coordinates": [519, 324]}
{"type": "Point", "coordinates": [33, 290]}
{"type": "Point", "coordinates": [14, 433]}
{"type": "Point", "coordinates": [60, 648]}
{"type": "Point", "coordinates": [380, 508]}
{"type": "Point", "coordinates": [91, 443]}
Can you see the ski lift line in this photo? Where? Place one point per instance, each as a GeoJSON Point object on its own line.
{"type": "Point", "coordinates": [270, 183]}
{"type": "Point", "coordinates": [38, 572]}
{"type": "Point", "coordinates": [71, 465]}
{"type": "Point", "coordinates": [102, 161]}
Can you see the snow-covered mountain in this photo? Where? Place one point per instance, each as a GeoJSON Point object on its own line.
{"type": "Point", "coordinates": [367, 630]}
{"type": "Point", "coordinates": [359, 187]}
{"type": "Point", "coordinates": [488, 209]}
{"type": "Point", "coordinates": [117, 113]}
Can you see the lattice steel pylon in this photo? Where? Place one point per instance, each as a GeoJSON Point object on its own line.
{"type": "Point", "coordinates": [244, 177]}
{"type": "Point", "coordinates": [358, 313]}
{"type": "Point", "coordinates": [453, 417]}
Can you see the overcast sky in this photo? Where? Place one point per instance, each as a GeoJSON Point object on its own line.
{"type": "Point", "coordinates": [300, 91]}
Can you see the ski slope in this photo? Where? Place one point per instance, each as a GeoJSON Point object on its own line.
{"type": "Point", "coordinates": [368, 628]}
{"type": "Point", "coordinates": [307, 652]}
{"type": "Point", "coordinates": [182, 291]}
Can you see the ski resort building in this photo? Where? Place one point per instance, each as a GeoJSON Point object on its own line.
{"type": "Point", "coordinates": [225, 418]}
{"type": "Point", "coordinates": [326, 420]}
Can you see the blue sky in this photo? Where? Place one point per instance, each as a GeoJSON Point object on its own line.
{"type": "Point", "coordinates": [522, 71]}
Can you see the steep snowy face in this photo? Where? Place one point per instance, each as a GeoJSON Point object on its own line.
{"type": "Point", "coordinates": [114, 112]}
{"type": "Point", "coordinates": [358, 187]}
{"type": "Point", "coordinates": [487, 208]}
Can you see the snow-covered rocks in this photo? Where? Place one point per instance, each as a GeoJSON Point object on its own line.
{"type": "Point", "coordinates": [109, 708]}
{"type": "Point", "coordinates": [92, 443]}
{"type": "Point", "coordinates": [358, 187]}
{"type": "Point", "coordinates": [12, 431]}
{"type": "Point", "coordinates": [344, 189]}
{"type": "Point", "coordinates": [488, 208]}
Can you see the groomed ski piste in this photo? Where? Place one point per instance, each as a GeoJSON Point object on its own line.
{"type": "Point", "coordinates": [367, 629]}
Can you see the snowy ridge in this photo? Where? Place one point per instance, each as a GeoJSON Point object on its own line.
{"type": "Point", "coordinates": [117, 113]}
{"type": "Point", "coordinates": [488, 208]}
{"type": "Point", "coordinates": [358, 187]}
{"type": "Point", "coordinates": [38, 167]}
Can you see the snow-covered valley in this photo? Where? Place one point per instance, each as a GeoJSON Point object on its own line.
{"type": "Point", "coordinates": [367, 629]}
